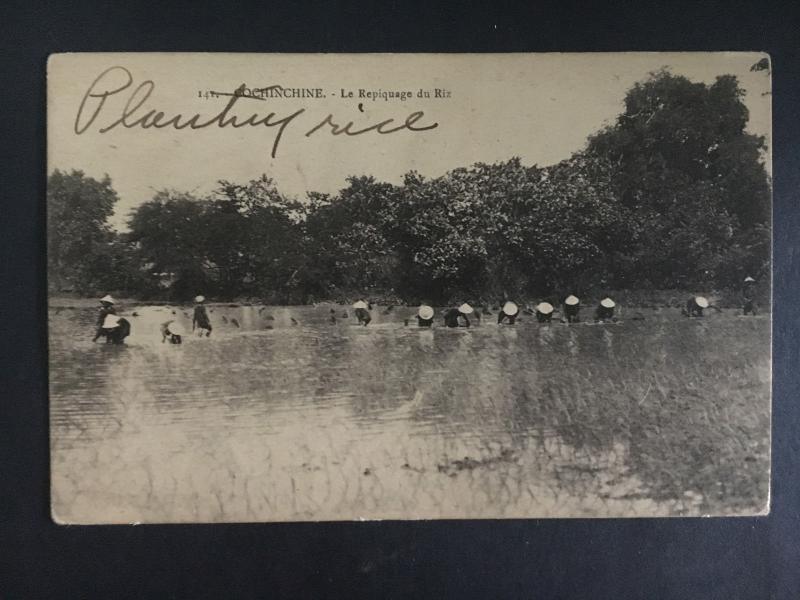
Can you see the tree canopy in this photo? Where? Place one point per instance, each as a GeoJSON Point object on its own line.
{"type": "Point", "coordinates": [693, 180]}
{"type": "Point", "coordinates": [673, 194]}
{"type": "Point", "coordinates": [78, 208]}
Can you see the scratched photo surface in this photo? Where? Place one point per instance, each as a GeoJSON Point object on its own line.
{"type": "Point", "coordinates": [345, 287]}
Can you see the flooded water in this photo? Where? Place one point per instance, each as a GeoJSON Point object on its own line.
{"type": "Point", "coordinates": [319, 419]}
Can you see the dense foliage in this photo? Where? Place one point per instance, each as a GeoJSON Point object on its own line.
{"type": "Point", "coordinates": [673, 194]}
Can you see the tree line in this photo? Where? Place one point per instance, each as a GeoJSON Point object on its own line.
{"type": "Point", "coordinates": [673, 194]}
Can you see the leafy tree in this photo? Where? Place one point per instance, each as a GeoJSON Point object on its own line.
{"type": "Point", "coordinates": [169, 232]}
{"type": "Point", "coordinates": [255, 239]}
{"type": "Point", "coordinates": [674, 194]}
{"type": "Point", "coordinates": [346, 237]}
{"type": "Point", "coordinates": [440, 253]}
{"type": "Point", "coordinates": [691, 176]}
{"type": "Point", "coordinates": [569, 236]}
{"type": "Point", "coordinates": [506, 229]}
{"type": "Point", "coordinates": [78, 235]}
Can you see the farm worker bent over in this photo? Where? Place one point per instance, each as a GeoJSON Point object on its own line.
{"type": "Point", "coordinates": [362, 313]}
{"type": "Point", "coordinates": [425, 316]}
{"type": "Point", "coordinates": [572, 306]}
{"type": "Point", "coordinates": [509, 311]}
{"type": "Point", "coordinates": [605, 311]}
{"type": "Point", "coordinates": [544, 312]}
{"type": "Point", "coordinates": [453, 315]}
{"type": "Point", "coordinates": [172, 331]}
{"type": "Point", "coordinates": [115, 329]}
{"type": "Point", "coordinates": [695, 306]}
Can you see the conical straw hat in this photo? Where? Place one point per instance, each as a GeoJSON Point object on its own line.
{"type": "Point", "coordinates": [701, 302]}
{"type": "Point", "coordinates": [571, 300]}
{"type": "Point", "coordinates": [466, 309]}
{"type": "Point", "coordinates": [544, 307]}
{"type": "Point", "coordinates": [360, 304]}
{"type": "Point", "coordinates": [510, 309]}
{"type": "Point", "coordinates": [607, 303]}
{"type": "Point", "coordinates": [199, 298]}
{"type": "Point", "coordinates": [110, 321]}
{"type": "Point", "coordinates": [175, 329]}
{"type": "Point", "coordinates": [425, 312]}
{"type": "Point", "coordinates": [749, 280]}
{"type": "Point", "coordinates": [107, 298]}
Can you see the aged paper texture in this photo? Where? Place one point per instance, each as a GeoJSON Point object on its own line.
{"type": "Point", "coordinates": [344, 287]}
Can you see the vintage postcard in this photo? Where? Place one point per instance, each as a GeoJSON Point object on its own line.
{"type": "Point", "coordinates": [345, 287]}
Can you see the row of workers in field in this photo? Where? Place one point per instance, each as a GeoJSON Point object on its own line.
{"type": "Point", "coordinates": [544, 311]}
{"type": "Point", "coordinates": [460, 316]}
{"type": "Point", "coordinates": [115, 329]}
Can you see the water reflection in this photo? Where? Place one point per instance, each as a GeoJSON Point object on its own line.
{"type": "Point", "coordinates": [291, 416]}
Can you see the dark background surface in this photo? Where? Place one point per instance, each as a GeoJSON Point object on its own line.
{"type": "Point", "coordinates": [650, 558]}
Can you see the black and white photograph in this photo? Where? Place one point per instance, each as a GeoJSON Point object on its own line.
{"type": "Point", "coordinates": [342, 287]}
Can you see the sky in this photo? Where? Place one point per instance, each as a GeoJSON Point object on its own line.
{"type": "Point", "coordinates": [540, 107]}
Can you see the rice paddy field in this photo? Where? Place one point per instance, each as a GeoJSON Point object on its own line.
{"type": "Point", "coordinates": [297, 413]}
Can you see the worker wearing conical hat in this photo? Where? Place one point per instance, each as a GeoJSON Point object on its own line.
{"type": "Point", "coordinates": [508, 312]}
{"type": "Point", "coordinates": [605, 310]}
{"type": "Point", "coordinates": [425, 316]}
{"type": "Point", "coordinates": [106, 308]}
{"type": "Point", "coordinates": [361, 309]}
{"type": "Point", "coordinates": [544, 312]}
{"type": "Point", "coordinates": [695, 306]}
{"type": "Point", "coordinates": [171, 331]}
{"type": "Point", "coordinates": [572, 307]}
{"type": "Point", "coordinates": [454, 316]}
{"type": "Point", "coordinates": [749, 296]}
{"type": "Point", "coordinates": [200, 320]}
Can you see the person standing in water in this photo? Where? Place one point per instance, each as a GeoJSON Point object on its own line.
{"type": "Point", "coordinates": [605, 310]}
{"type": "Point", "coordinates": [361, 309]}
{"type": "Point", "coordinates": [572, 307]}
{"type": "Point", "coordinates": [452, 316]}
{"type": "Point", "coordinates": [200, 318]}
{"type": "Point", "coordinates": [749, 296]}
{"type": "Point", "coordinates": [544, 312]}
{"type": "Point", "coordinates": [425, 316]}
{"type": "Point", "coordinates": [106, 308]}
{"type": "Point", "coordinates": [510, 312]}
